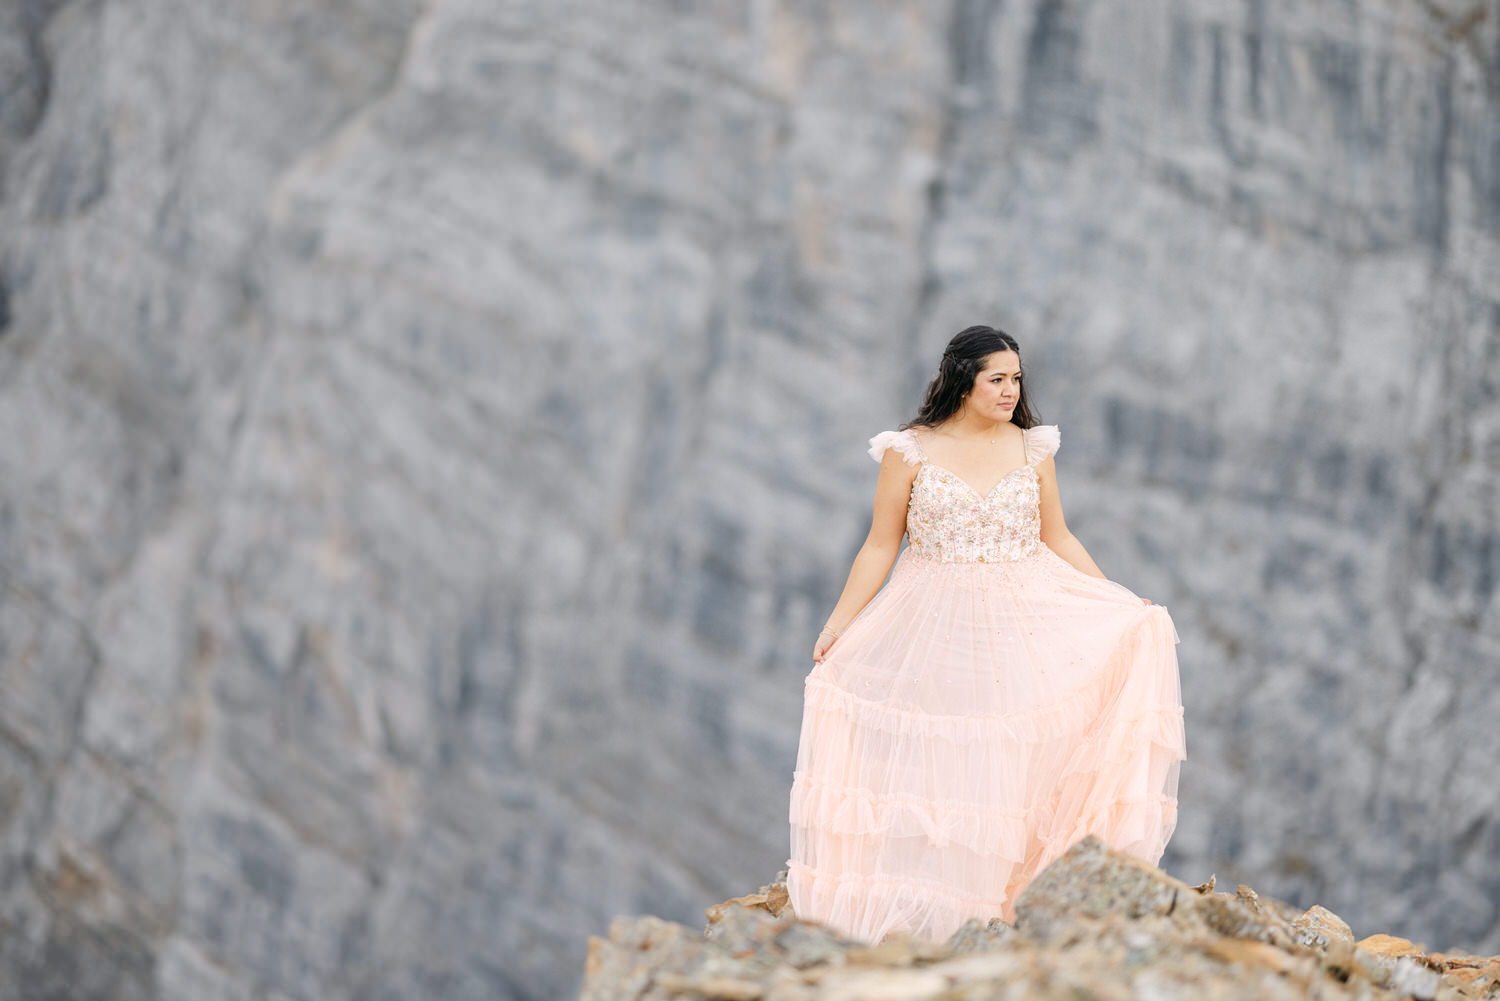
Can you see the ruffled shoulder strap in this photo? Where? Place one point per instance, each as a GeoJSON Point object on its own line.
{"type": "Point", "coordinates": [902, 441]}
{"type": "Point", "coordinates": [1041, 441]}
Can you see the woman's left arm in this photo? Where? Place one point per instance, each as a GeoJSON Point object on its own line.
{"type": "Point", "coordinates": [1054, 529]}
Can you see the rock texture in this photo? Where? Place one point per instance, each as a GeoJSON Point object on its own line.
{"type": "Point", "coordinates": [433, 432]}
{"type": "Point", "coordinates": [1095, 924]}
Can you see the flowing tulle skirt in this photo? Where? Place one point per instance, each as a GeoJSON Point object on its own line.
{"type": "Point", "coordinates": [972, 722]}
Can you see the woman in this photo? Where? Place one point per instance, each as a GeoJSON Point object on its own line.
{"type": "Point", "coordinates": [996, 701]}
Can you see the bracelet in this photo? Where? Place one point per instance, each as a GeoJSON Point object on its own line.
{"type": "Point", "coordinates": [830, 632]}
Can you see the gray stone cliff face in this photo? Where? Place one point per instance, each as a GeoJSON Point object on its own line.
{"type": "Point", "coordinates": [433, 433]}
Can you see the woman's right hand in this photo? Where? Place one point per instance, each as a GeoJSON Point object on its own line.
{"type": "Point", "coordinates": [820, 648]}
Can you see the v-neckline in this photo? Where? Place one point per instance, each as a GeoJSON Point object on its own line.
{"type": "Point", "coordinates": [1025, 449]}
{"type": "Point", "coordinates": [970, 486]}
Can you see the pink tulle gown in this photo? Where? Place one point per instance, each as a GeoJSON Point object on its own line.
{"type": "Point", "coordinates": [991, 705]}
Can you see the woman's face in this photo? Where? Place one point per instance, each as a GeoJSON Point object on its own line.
{"type": "Point", "coordinates": [997, 387]}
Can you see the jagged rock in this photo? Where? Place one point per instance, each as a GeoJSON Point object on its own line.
{"type": "Point", "coordinates": [978, 935]}
{"type": "Point", "coordinates": [1319, 926]}
{"type": "Point", "coordinates": [804, 944]}
{"type": "Point", "coordinates": [1096, 924]}
{"type": "Point", "coordinates": [1091, 881]}
{"type": "Point", "coordinates": [1479, 978]}
{"type": "Point", "coordinates": [1381, 944]}
{"type": "Point", "coordinates": [613, 969]}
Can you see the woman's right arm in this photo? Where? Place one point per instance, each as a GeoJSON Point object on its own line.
{"type": "Point", "coordinates": [882, 545]}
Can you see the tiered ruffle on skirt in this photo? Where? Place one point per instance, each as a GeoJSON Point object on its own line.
{"type": "Point", "coordinates": [972, 722]}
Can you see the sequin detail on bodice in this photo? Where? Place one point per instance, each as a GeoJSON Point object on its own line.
{"type": "Point", "coordinates": [947, 520]}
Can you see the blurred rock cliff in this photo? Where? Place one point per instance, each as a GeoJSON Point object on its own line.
{"type": "Point", "coordinates": [432, 433]}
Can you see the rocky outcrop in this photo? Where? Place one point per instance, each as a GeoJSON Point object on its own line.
{"type": "Point", "coordinates": [1094, 924]}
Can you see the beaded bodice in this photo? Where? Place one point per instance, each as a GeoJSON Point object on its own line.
{"type": "Point", "coordinates": [948, 520]}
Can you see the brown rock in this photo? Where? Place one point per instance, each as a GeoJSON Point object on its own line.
{"type": "Point", "coordinates": [898, 950]}
{"type": "Point", "coordinates": [1318, 926]}
{"type": "Point", "coordinates": [747, 929]}
{"type": "Point", "coordinates": [1241, 951]}
{"type": "Point", "coordinates": [882, 984]}
{"type": "Point", "coordinates": [777, 899]}
{"type": "Point", "coordinates": [1239, 917]}
{"type": "Point", "coordinates": [1096, 923]}
{"type": "Point", "coordinates": [758, 901]}
{"type": "Point", "coordinates": [771, 898]}
{"type": "Point", "coordinates": [725, 988]}
{"type": "Point", "coordinates": [1464, 976]}
{"type": "Point", "coordinates": [1389, 946]}
{"type": "Point", "coordinates": [624, 965]}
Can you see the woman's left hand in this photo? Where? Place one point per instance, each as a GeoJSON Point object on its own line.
{"type": "Point", "coordinates": [1146, 600]}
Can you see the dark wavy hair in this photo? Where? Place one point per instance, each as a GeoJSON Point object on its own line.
{"type": "Point", "coordinates": [963, 360]}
